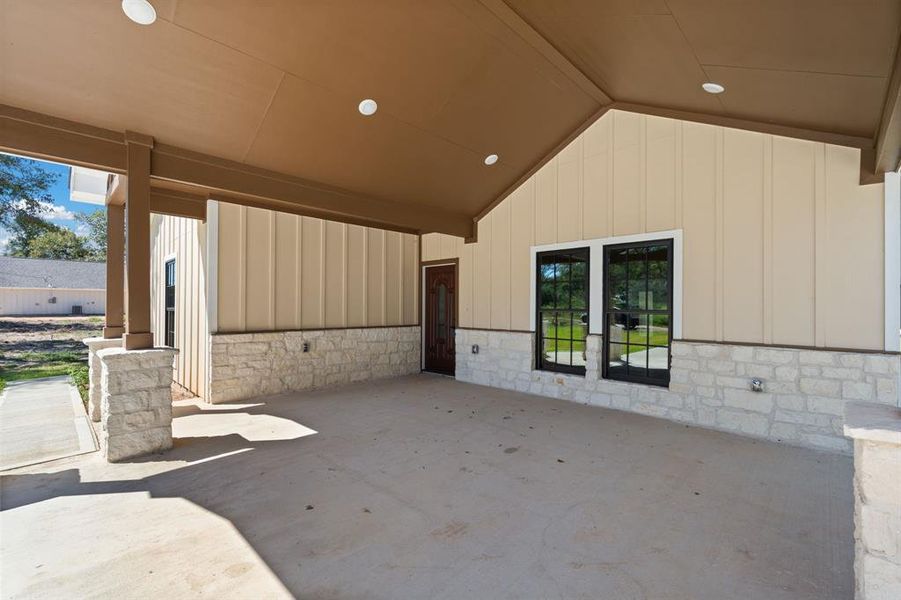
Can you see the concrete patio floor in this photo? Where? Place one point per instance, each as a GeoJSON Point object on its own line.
{"type": "Point", "coordinates": [423, 487]}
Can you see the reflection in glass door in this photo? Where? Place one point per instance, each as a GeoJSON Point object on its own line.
{"type": "Point", "coordinates": [562, 310]}
{"type": "Point", "coordinates": [638, 311]}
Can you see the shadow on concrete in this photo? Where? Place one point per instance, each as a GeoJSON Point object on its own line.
{"type": "Point", "coordinates": [426, 487]}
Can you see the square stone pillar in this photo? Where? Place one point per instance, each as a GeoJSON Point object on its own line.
{"type": "Point", "coordinates": [95, 344]}
{"type": "Point", "coordinates": [136, 404]}
{"type": "Point", "coordinates": [876, 431]}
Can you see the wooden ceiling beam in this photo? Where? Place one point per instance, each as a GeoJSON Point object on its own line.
{"type": "Point", "coordinates": [40, 136]}
{"type": "Point", "coordinates": [535, 168]}
{"type": "Point", "coordinates": [178, 204]}
{"type": "Point", "coordinates": [305, 211]}
{"type": "Point", "coordinates": [527, 33]}
{"type": "Point", "coordinates": [242, 183]}
{"type": "Point", "coordinates": [115, 190]}
{"type": "Point", "coordinates": [888, 139]}
{"type": "Point", "coordinates": [800, 133]}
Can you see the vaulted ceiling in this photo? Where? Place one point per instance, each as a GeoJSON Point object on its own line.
{"type": "Point", "coordinates": [276, 84]}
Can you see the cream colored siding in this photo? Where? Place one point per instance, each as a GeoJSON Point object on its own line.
{"type": "Point", "coordinates": [278, 272]}
{"type": "Point", "coordinates": [185, 241]}
{"type": "Point", "coordinates": [781, 244]}
{"type": "Point", "coordinates": [50, 301]}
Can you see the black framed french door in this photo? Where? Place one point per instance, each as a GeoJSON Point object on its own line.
{"type": "Point", "coordinates": [562, 309]}
{"type": "Point", "coordinates": [638, 311]}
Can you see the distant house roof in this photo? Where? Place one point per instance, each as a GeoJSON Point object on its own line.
{"type": "Point", "coordinates": [46, 273]}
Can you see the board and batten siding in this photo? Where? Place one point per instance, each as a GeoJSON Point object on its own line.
{"type": "Point", "coordinates": [781, 244]}
{"type": "Point", "coordinates": [185, 241]}
{"type": "Point", "coordinates": [278, 271]}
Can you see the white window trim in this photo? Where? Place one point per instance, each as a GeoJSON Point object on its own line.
{"type": "Point", "coordinates": [596, 274]}
{"type": "Point", "coordinates": [892, 238]}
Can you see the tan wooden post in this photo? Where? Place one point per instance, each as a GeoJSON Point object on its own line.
{"type": "Point", "coordinates": [115, 271]}
{"type": "Point", "coordinates": [137, 211]}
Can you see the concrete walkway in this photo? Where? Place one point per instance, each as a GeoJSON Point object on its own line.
{"type": "Point", "coordinates": [41, 420]}
{"type": "Point", "coordinates": [424, 487]}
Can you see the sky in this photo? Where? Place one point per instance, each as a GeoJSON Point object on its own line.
{"type": "Point", "coordinates": [62, 212]}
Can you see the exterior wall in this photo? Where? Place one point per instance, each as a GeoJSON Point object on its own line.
{"type": "Point", "coordinates": [255, 364]}
{"type": "Point", "coordinates": [36, 301]}
{"type": "Point", "coordinates": [781, 244]}
{"type": "Point", "coordinates": [278, 271]}
{"type": "Point", "coordinates": [185, 240]}
{"type": "Point", "coordinates": [802, 402]}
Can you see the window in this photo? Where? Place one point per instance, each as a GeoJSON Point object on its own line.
{"type": "Point", "coordinates": [638, 311]}
{"type": "Point", "coordinates": [170, 303]}
{"type": "Point", "coordinates": [562, 307]}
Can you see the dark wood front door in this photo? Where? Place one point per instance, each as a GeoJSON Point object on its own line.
{"type": "Point", "coordinates": [440, 315]}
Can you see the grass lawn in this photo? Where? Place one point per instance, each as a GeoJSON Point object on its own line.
{"type": "Point", "coordinates": [657, 337]}
{"type": "Point", "coordinates": [35, 347]}
{"type": "Point", "coordinates": [564, 331]}
{"type": "Point", "coordinates": [35, 365]}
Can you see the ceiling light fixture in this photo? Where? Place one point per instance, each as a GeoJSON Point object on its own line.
{"type": "Point", "coordinates": [139, 11]}
{"type": "Point", "coordinates": [490, 159]}
{"type": "Point", "coordinates": [713, 88]}
{"type": "Point", "coordinates": [368, 107]}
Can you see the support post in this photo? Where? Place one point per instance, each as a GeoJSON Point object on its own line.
{"type": "Point", "coordinates": [115, 271]}
{"type": "Point", "coordinates": [137, 211]}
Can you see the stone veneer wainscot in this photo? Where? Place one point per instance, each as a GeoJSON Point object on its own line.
{"type": "Point", "coordinates": [245, 365]}
{"type": "Point", "coordinates": [804, 395]}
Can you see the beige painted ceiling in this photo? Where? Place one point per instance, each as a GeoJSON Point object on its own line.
{"type": "Point", "coordinates": [275, 84]}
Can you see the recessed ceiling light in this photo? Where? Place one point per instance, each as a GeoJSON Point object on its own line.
{"type": "Point", "coordinates": [713, 88]}
{"type": "Point", "coordinates": [490, 159]}
{"type": "Point", "coordinates": [368, 107]}
{"type": "Point", "coordinates": [139, 11]}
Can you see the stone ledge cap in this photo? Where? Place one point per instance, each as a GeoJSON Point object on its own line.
{"type": "Point", "coordinates": [873, 422]}
{"type": "Point", "coordinates": [119, 352]}
{"type": "Point", "coordinates": [101, 342]}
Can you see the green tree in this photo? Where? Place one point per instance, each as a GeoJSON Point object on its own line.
{"type": "Point", "coordinates": [95, 223]}
{"type": "Point", "coordinates": [24, 185]}
{"type": "Point", "coordinates": [61, 243]}
{"type": "Point", "coordinates": [25, 228]}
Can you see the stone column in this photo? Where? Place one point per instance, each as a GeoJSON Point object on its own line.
{"type": "Point", "coordinates": [876, 431]}
{"type": "Point", "coordinates": [95, 344]}
{"type": "Point", "coordinates": [136, 405]}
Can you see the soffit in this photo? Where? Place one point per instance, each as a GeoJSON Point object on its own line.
{"type": "Point", "coordinates": [276, 85]}
{"type": "Point", "coordinates": [818, 64]}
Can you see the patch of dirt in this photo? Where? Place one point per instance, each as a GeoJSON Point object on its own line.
{"type": "Point", "coordinates": [24, 341]}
